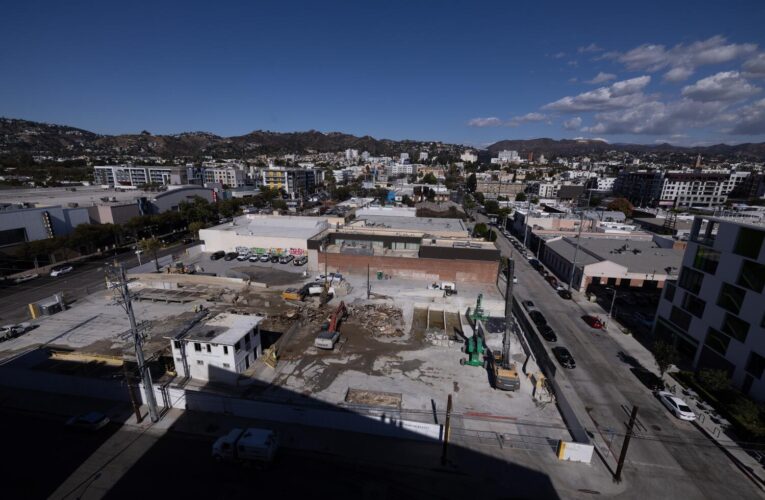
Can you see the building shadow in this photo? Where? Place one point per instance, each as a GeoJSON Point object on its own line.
{"type": "Point", "coordinates": [340, 450]}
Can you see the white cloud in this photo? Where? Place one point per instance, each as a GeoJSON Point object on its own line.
{"type": "Point", "coordinates": [573, 124]}
{"type": "Point", "coordinates": [623, 94]}
{"type": "Point", "coordinates": [755, 67]}
{"type": "Point", "coordinates": [682, 60]}
{"type": "Point", "coordinates": [528, 117]}
{"type": "Point", "coordinates": [658, 118]}
{"type": "Point", "coordinates": [491, 121]}
{"type": "Point", "coordinates": [602, 77]}
{"type": "Point", "coordinates": [723, 86]}
{"type": "Point", "coordinates": [559, 55]}
{"type": "Point", "coordinates": [750, 119]}
{"type": "Point", "coordinates": [589, 48]}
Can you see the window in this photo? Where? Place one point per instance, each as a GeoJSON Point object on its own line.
{"type": "Point", "coordinates": [237, 346]}
{"type": "Point", "coordinates": [735, 327]}
{"type": "Point", "coordinates": [749, 242]}
{"type": "Point", "coordinates": [200, 362]}
{"type": "Point", "coordinates": [669, 291]}
{"type": "Point", "coordinates": [176, 344]}
{"type": "Point", "coordinates": [717, 341]}
{"type": "Point", "coordinates": [209, 348]}
{"type": "Point", "coordinates": [226, 365]}
{"type": "Point", "coordinates": [756, 365]}
{"type": "Point", "coordinates": [225, 349]}
{"type": "Point", "coordinates": [197, 347]}
{"type": "Point", "coordinates": [180, 360]}
{"type": "Point", "coordinates": [694, 305]}
{"type": "Point", "coordinates": [731, 297]}
{"type": "Point", "coordinates": [680, 318]}
{"type": "Point", "coordinates": [691, 280]}
{"type": "Point", "coordinates": [706, 259]}
{"type": "Point", "coordinates": [752, 276]}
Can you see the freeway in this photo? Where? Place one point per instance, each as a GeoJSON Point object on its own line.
{"type": "Point", "coordinates": [86, 278]}
{"type": "Point", "coordinates": [670, 458]}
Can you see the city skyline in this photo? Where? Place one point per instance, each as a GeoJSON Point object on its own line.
{"type": "Point", "coordinates": [451, 74]}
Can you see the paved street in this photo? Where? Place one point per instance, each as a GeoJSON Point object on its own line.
{"type": "Point", "coordinates": [83, 280]}
{"type": "Point", "coordinates": [666, 447]}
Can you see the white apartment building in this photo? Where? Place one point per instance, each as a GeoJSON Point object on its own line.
{"type": "Point", "coordinates": [469, 156]}
{"type": "Point", "coordinates": [402, 168]}
{"type": "Point", "coordinates": [699, 189]}
{"type": "Point", "coordinates": [219, 349]}
{"type": "Point", "coordinates": [508, 156]}
{"type": "Point", "coordinates": [230, 176]}
{"type": "Point", "coordinates": [544, 189]}
{"type": "Point", "coordinates": [423, 156]}
{"type": "Point", "coordinates": [715, 314]}
{"type": "Point", "coordinates": [130, 175]}
{"type": "Point", "coordinates": [351, 154]}
{"type": "Point", "coordinates": [605, 183]}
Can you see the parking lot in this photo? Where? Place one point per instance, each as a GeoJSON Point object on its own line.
{"type": "Point", "coordinates": [270, 273]}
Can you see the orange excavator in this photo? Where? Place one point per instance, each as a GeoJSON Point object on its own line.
{"type": "Point", "coordinates": [329, 334]}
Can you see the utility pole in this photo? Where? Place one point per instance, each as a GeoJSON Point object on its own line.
{"type": "Point", "coordinates": [610, 311]}
{"type": "Point", "coordinates": [369, 289]}
{"type": "Point", "coordinates": [447, 429]}
{"type": "Point", "coordinates": [508, 312]}
{"type": "Point", "coordinates": [576, 251]}
{"type": "Point", "coordinates": [118, 282]}
{"type": "Point", "coordinates": [623, 454]}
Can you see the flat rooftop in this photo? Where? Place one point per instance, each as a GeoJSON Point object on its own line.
{"type": "Point", "coordinates": [274, 226]}
{"type": "Point", "coordinates": [423, 224]}
{"type": "Point", "coordinates": [225, 328]}
{"type": "Point", "coordinates": [84, 196]}
{"type": "Point", "coordinates": [636, 255]}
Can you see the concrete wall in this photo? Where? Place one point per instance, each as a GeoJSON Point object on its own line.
{"type": "Point", "coordinates": [113, 214]}
{"type": "Point", "coordinates": [227, 241]}
{"type": "Point", "coordinates": [472, 271]}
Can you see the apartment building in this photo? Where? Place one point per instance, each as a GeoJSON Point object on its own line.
{"type": "Point", "coordinates": [294, 181]}
{"type": "Point", "coordinates": [678, 188]}
{"type": "Point", "coordinates": [230, 176]}
{"type": "Point", "coordinates": [130, 175]}
{"type": "Point", "coordinates": [715, 314]}
{"type": "Point", "coordinates": [401, 168]}
{"type": "Point", "coordinates": [544, 189]}
{"type": "Point", "coordinates": [493, 189]}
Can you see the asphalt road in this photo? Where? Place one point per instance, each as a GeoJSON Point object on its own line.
{"type": "Point", "coordinates": [670, 457]}
{"type": "Point", "coordinates": [86, 278]}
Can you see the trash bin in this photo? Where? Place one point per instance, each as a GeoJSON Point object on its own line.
{"type": "Point", "coordinates": [379, 275]}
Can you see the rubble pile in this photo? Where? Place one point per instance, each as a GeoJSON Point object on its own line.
{"type": "Point", "coordinates": [380, 319]}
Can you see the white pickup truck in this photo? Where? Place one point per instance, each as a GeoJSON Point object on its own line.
{"type": "Point", "coordinates": [243, 445]}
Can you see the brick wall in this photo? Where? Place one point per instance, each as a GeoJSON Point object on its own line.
{"type": "Point", "coordinates": [473, 271]}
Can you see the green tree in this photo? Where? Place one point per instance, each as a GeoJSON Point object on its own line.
{"type": "Point", "coordinates": [430, 178]}
{"type": "Point", "coordinates": [471, 183]}
{"type": "Point", "coordinates": [194, 228]}
{"type": "Point", "coordinates": [665, 355]}
{"type": "Point", "coordinates": [151, 246]}
{"type": "Point", "coordinates": [406, 200]}
{"type": "Point", "coordinates": [480, 230]}
{"type": "Point", "coordinates": [622, 205]}
{"type": "Point", "coordinates": [479, 198]}
{"type": "Point", "coordinates": [715, 381]}
{"type": "Point", "coordinates": [279, 204]}
{"type": "Point", "coordinates": [520, 197]}
{"type": "Point", "coordinates": [491, 206]}
{"type": "Point", "coordinates": [535, 199]}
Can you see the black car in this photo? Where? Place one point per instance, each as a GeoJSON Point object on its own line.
{"type": "Point", "coordinates": [274, 259]}
{"type": "Point", "coordinates": [564, 294]}
{"type": "Point", "coordinates": [217, 255]}
{"type": "Point", "coordinates": [529, 305]}
{"type": "Point", "coordinates": [538, 318]}
{"type": "Point", "coordinates": [231, 256]}
{"type": "Point", "coordinates": [564, 357]}
{"type": "Point", "coordinates": [547, 333]}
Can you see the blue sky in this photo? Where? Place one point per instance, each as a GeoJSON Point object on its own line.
{"type": "Point", "coordinates": [468, 72]}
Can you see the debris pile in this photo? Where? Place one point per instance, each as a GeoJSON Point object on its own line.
{"type": "Point", "coordinates": [380, 319]}
{"type": "Point", "coordinates": [439, 339]}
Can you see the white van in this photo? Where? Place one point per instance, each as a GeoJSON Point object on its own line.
{"type": "Point", "coordinates": [258, 445]}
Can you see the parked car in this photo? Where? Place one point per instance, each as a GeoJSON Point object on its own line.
{"type": "Point", "coordinates": [274, 259]}
{"type": "Point", "coordinates": [529, 305]}
{"type": "Point", "coordinates": [286, 259]}
{"type": "Point", "coordinates": [254, 258]}
{"type": "Point", "coordinates": [676, 405]}
{"type": "Point", "coordinates": [564, 294]}
{"type": "Point", "coordinates": [242, 257]}
{"type": "Point", "coordinates": [8, 332]}
{"type": "Point", "coordinates": [538, 318]}
{"type": "Point", "coordinates": [564, 357]}
{"type": "Point", "coordinates": [547, 333]}
{"type": "Point", "coordinates": [25, 277]}
{"type": "Point", "coordinates": [265, 258]}
{"type": "Point", "coordinates": [231, 256]}
{"type": "Point", "coordinates": [217, 255]}
{"type": "Point", "coordinates": [92, 421]}
{"type": "Point", "coordinates": [300, 261]}
{"type": "Point", "coordinates": [59, 270]}
{"type": "Point", "coordinates": [593, 321]}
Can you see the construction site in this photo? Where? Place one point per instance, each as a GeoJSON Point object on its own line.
{"type": "Point", "coordinates": [367, 343]}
